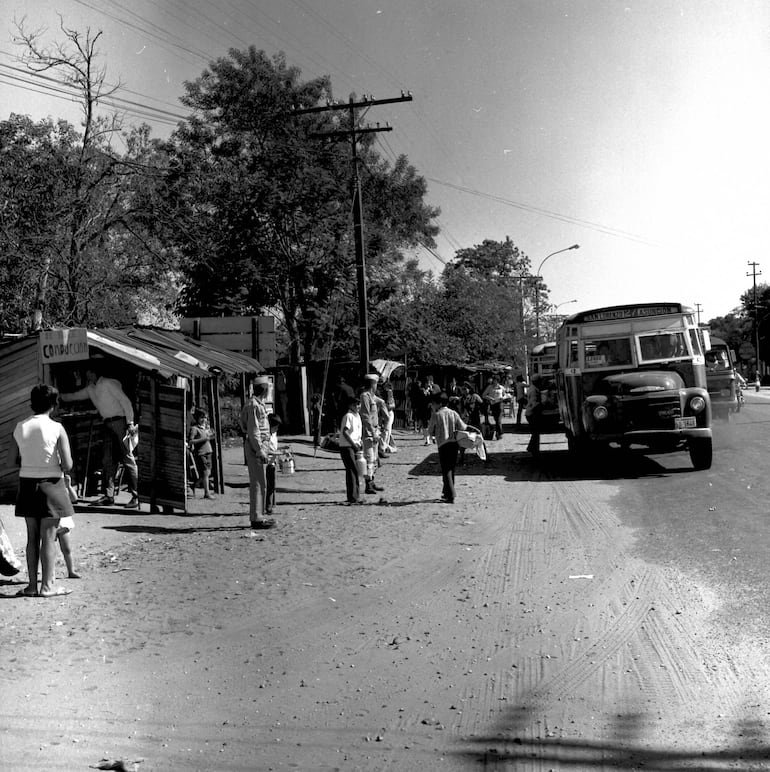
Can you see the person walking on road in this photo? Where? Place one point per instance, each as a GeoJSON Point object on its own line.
{"type": "Point", "coordinates": [255, 428]}
{"type": "Point", "coordinates": [443, 424]}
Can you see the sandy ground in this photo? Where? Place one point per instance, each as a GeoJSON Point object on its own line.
{"type": "Point", "coordinates": [515, 629]}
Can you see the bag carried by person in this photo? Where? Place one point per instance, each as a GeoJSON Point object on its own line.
{"type": "Point", "coordinates": [466, 439]}
{"type": "Point", "coordinates": [10, 565]}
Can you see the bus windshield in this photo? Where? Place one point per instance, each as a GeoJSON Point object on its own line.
{"type": "Point", "coordinates": [662, 345]}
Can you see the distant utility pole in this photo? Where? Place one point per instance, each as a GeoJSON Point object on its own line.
{"type": "Point", "coordinates": [358, 222]}
{"type": "Point", "coordinates": [754, 273]}
{"type": "Point", "coordinates": [697, 308]}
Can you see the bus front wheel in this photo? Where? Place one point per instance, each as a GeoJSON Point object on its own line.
{"type": "Point", "coordinates": [700, 452]}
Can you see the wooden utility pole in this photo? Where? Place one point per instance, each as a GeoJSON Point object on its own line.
{"type": "Point", "coordinates": [358, 220]}
{"type": "Point", "coordinates": [754, 273]}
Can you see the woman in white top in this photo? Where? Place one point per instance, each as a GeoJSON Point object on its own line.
{"type": "Point", "coordinates": [43, 453]}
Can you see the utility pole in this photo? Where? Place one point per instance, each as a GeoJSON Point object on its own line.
{"type": "Point", "coordinates": [697, 308]}
{"type": "Point", "coordinates": [754, 273]}
{"type": "Point", "coordinates": [353, 133]}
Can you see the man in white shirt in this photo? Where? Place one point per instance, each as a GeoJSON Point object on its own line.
{"type": "Point", "coordinates": [117, 414]}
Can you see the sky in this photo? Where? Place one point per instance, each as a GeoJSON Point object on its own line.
{"type": "Point", "coordinates": [638, 130]}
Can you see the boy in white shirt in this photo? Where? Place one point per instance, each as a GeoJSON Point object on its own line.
{"type": "Point", "coordinates": [351, 445]}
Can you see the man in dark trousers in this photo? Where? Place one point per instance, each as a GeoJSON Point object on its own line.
{"type": "Point", "coordinates": [119, 432]}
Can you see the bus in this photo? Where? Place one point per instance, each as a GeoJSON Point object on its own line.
{"type": "Point", "coordinates": [542, 362]}
{"type": "Point", "coordinates": [635, 375]}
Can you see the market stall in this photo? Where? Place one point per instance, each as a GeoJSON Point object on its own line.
{"type": "Point", "coordinates": [160, 371]}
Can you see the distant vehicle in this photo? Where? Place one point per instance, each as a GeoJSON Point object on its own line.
{"type": "Point", "coordinates": [635, 375]}
{"type": "Point", "coordinates": [720, 378]}
{"type": "Point", "coordinates": [542, 362]}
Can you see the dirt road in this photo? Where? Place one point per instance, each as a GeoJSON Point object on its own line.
{"type": "Point", "coordinates": [516, 628]}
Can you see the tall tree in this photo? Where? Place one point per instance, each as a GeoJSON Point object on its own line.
{"type": "Point", "coordinates": [85, 254]}
{"type": "Point", "coordinates": [485, 301]}
{"type": "Point", "coordinates": [263, 209]}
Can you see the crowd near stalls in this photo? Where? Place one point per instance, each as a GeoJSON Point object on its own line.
{"type": "Point", "coordinates": [164, 376]}
{"type": "Point", "coordinates": [401, 379]}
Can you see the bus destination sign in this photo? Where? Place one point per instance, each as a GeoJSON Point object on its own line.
{"type": "Point", "coordinates": [630, 312]}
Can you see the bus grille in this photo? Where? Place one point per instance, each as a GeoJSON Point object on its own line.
{"type": "Point", "coordinates": [639, 413]}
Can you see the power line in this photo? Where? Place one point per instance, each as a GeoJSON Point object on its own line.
{"type": "Point", "coordinates": [547, 213]}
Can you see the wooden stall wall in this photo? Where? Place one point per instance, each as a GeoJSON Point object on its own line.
{"type": "Point", "coordinates": [19, 373]}
{"type": "Point", "coordinates": [161, 452]}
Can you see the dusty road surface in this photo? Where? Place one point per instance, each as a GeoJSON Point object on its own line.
{"type": "Point", "coordinates": [519, 628]}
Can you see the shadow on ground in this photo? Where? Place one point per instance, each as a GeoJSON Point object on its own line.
{"type": "Point", "coordinates": [624, 749]}
{"type": "Point", "coordinates": [518, 466]}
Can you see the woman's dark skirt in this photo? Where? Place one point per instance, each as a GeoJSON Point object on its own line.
{"type": "Point", "coordinates": [43, 497]}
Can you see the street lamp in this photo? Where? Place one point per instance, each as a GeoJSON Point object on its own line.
{"type": "Point", "coordinates": [555, 317]}
{"type": "Point", "coordinates": [564, 303]}
{"type": "Point", "coordinates": [538, 279]}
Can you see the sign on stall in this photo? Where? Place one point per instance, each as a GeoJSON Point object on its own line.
{"type": "Point", "coordinates": [68, 345]}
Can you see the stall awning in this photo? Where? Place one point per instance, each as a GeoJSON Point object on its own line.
{"type": "Point", "coordinates": [202, 354]}
{"type": "Point", "coordinates": [117, 343]}
{"type": "Point", "coordinates": [386, 367]}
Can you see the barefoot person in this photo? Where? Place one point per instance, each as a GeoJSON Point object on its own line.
{"type": "Point", "coordinates": [66, 524]}
{"type": "Point", "coordinates": [43, 453]}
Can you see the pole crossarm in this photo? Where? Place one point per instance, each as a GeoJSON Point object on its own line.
{"type": "Point", "coordinates": [350, 132]}
{"type": "Point", "coordinates": [406, 96]}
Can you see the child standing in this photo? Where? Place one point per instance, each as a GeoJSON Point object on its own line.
{"type": "Point", "coordinates": [199, 439]}
{"type": "Point", "coordinates": [66, 524]}
{"type": "Point", "coordinates": [351, 444]}
{"type": "Point", "coordinates": [272, 454]}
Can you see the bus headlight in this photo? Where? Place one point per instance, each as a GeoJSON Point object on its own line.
{"type": "Point", "coordinates": [697, 404]}
{"type": "Point", "coordinates": [600, 412]}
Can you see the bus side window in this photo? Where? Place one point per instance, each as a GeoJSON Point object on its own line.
{"type": "Point", "coordinates": [574, 359]}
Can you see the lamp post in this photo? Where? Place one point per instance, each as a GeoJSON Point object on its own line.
{"type": "Point", "coordinates": [563, 303]}
{"type": "Point", "coordinates": [538, 279]}
{"type": "Point", "coordinates": [554, 315]}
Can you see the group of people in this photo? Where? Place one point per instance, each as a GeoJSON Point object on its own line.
{"type": "Point", "coordinates": [365, 433]}
{"type": "Point", "coordinates": [42, 453]}
{"type": "Point", "coordinates": [475, 408]}
{"type": "Point", "coordinates": [364, 419]}
{"type": "Point", "coordinates": [439, 414]}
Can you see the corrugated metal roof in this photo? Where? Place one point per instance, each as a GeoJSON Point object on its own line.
{"type": "Point", "coordinates": [119, 344]}
{"type": "Point", "coordinates": [194, 351]}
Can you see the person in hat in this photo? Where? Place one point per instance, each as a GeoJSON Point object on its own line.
{"type": "Point", "coordinates": [255, 428]}
{"type": "Point", "coordinates": [370, 424]}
